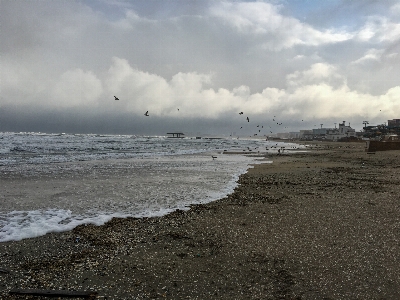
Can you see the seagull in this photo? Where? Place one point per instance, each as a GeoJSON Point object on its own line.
{"type": "Point", "coordinates": [241, 113]}
{"type": "Point", "coordinates": [116, 98]}
{"type": "Point", "coordinates": [147, 113]}
{"type": "Point", "coordinates": [248, 119]}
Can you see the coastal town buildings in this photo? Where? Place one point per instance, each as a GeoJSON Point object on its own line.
{"type": "Point", "coordinates": [283, 135]}
{"type": "Point", "coordinates": [344, 131]}
{"type": "Point", "coordinates": [306, 135]}
{"type": "Point", "coordinates": [332, 134]}
{"type": "Point", "coordinates": [394, 123]}
{"type": "Point", "coordinates": [382, 131]}
{"type": "Point", "coordinates": [294, 135]}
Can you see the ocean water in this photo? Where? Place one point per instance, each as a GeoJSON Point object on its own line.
{"type": "Point", "coordinates": [55, 182]}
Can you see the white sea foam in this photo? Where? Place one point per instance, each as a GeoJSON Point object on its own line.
{"type": "Point", "coordinates": [18, 225]}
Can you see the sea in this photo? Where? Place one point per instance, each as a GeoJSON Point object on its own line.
{"type": "Point", "coordinates": [91, 178]}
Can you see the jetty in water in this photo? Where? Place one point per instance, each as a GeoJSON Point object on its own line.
{"type": "Point", "coordinates": [176, 135]}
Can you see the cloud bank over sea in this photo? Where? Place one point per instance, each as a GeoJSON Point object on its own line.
{"type": "Point", "coordinates": [195, 65]}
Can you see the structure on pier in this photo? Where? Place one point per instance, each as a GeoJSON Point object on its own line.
{"type": "Point", "coordinates": [176, 135]}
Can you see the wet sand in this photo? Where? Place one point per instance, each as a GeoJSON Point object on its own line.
{"type": "Point", "coordinates": [317, 225]}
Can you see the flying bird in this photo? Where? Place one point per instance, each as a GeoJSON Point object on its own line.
{"type": "Point", "coordinates": [248, 119]}
{"type": "Point", "coordinates": [147, 113]}
{"type": "Point", "coordinates": [116, 98]}
{"type": "Point", "coordinates": [241, 113]}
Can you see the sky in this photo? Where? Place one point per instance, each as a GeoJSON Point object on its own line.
{"type": "Point", "coordinates": [194, 65]}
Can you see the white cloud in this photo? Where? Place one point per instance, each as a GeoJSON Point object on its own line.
{"type": "Point", "coordinates": [395, 9]}
{"type": "Point", "coordinates": [370, 55]}
{"type": "Point", "coordinates": [76, 88]}
{"type": "Point", "coordinates": [319, 91]}
{"type": "Point", "coordinates": [298, 57]}
{"type": "Point", "coordinates": [317, 73]}
{"type": "Point", "coordinates": [274, 30]}
{"type": "Point", "coordinates": [379, 29]}
{"type": "Point", "coordinates": [392, 55]}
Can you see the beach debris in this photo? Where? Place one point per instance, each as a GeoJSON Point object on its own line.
{"type": "Point", "coordinates": [55, 293]}
{"type": "Point", "coordinates": [213, 157]}
{"type": "Point", "coordinates": [116, 98]}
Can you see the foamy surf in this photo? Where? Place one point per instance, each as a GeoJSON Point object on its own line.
{"type": "Point", "coordinates": [151, 180]}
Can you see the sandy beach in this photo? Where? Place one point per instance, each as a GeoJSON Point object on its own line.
{"type": "Point", "coordinates": [318, 225]}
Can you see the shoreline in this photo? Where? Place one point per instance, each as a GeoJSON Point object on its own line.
{"type": "Point", "coordinates": [30, 199]}
{"type": "Point", "coordinates": [308, 226]}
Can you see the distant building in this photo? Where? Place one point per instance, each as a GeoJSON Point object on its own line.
{"type": "Point", "coordinates": [294, 135]}
{"type": "Point", "coordinates": [283, 135]}
{"type": "Point", "coordinates": [374, 132]}
{"type": "Point", "coordinates": [320, 132]}
{"type": "Point", "coordinates": [394, 123]}
{"type": "Point", "coordinates": [306, 134]}
{"type": "Point", "coordinates": [342, 132]}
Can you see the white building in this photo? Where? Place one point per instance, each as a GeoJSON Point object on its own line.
{"type": "Point", "coordinates": [342, 132]}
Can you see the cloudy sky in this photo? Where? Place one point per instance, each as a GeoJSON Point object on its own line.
{"type": "Point", "coordinates": [194, 65]}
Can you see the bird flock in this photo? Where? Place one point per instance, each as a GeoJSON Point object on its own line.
{"type": "Point", "coordinates": [258, 130]}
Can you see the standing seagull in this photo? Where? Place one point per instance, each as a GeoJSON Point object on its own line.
{"type": "Point", "coordinates": [116, 98]}
{"type": "Point", "coordinates": [147, 113]}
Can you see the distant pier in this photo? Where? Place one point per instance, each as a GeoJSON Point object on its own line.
{"type": "Point", "coordinates": [176, 135]}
